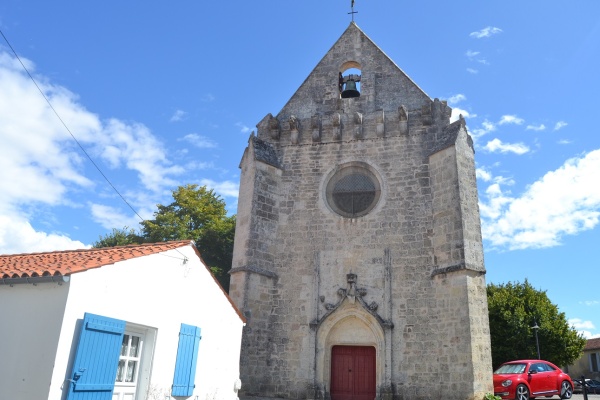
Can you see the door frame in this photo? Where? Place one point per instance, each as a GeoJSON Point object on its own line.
{"type": "Point", "coordinates": [349, 325]}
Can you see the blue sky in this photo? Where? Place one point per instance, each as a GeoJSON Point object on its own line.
{"type": "Point", "coordinates": [162, 94]}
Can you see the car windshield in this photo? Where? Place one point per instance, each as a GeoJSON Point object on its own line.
{"type": "Point", "coordinates": [510, 369]}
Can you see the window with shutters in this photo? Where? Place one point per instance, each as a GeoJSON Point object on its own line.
{"type": "Point", "coordinates": [111, 360]}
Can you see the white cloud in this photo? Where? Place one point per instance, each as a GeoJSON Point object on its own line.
{"type": "Point", "coordinates": [457, 98]}
{"type": "Point", "coordinates": [583, 327]}
{"type": "Point", "coordinates": [199, 141]}
{"type": "Point", "coordinates": [18, 236]}
{"type": "Point", "coordinates": [486, 32]}
{"type": "Point", "coordinates": [578, 323]}
{"type": "Point", "coordinates": [207, 98]}
{"type": "Point", "coordinates": [471, 54]}
{"type": "Point", "coordinates": [560, 125]}
{"type": "Point", "coordinates": [472, 71]}
{"type": "Point", "coordinates": [497, 146]}
{"type": "Point", "coordinates": [199, 165]}
{"type": "Point", "coordinates": [179, 115]}
{"type": "Point", "coordinates": [41, 165]}
{"type": "Point", "coordinates": [225, 188]}
{"type": "Point", "coordinates": [510, 119]}
{"type": "Point", "coordinates": [564, 141]}
{"type": "Point", "coordinates": [563, 202]}
{"type": "Point", "coordinates": [457, 112]}
{"type": "Point", "coordinates": [110, 217]}
{"type": "Point", "coordinates": [486, 127]}
{"type": "Point", "coordinates": [590, 303]}
{"type": "Point", "coordinates": [134, 146]}
{"type": "Point", "coordinates": [538, 128]}
{"type": "Point", "coordinates": [483, 174]}
{"type": "Point", "coordinates": [243, 128]}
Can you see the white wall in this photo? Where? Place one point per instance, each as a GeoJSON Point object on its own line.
{"type": "Point", "coordinates": [30, 321]}
{"type": "Point", "coordinates": [161, 292]}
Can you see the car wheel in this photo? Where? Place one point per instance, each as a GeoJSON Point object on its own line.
{"type": "Point", "coordinates": [566, 390]}
{"type": "Point", "coordinates": [522, 393]}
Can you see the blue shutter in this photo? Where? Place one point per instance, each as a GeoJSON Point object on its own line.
{"type": "Point", "coordinates": [97, 358]}
{"type": "Point", "coordinates": [187, 358]}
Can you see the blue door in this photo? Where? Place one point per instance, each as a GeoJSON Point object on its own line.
{"type": "Point", "coordinates": [96, 359]}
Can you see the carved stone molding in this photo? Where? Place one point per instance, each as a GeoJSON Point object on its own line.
{"type": "Point", "coordinates": [358, 125]}
{"type": "Point", "coordinates": [294, 125]}
{"type": "Point", "coordinates": [353, 294]}
{"type": "Point", "coordinates": [403, 117]}
{"type": "Point", "coordinates": [336, 121]}
{"type": "Point", "coordinates": [315, 126]}
{"type": "Point", "coordinates": [274, 128]}
{"type": "Point", "coordinates": [380, 119]}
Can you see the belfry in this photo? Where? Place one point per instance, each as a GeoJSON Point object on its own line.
{"type": "Point", "coordinates": [358, 259]}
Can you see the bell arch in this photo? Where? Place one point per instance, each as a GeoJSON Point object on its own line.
{"type": "Point", "coordinates": [349, 79]}
{"type": "Point", "coordinates": [349, 325]}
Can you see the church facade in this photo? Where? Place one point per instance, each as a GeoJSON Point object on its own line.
{"type": "Point", "coordinates": [358, 259]}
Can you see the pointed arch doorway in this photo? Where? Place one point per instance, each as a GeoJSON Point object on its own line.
{"type": "Point", "coordinates": [353, 373]}
{"type": "Point", "coordinates": [351, 354]}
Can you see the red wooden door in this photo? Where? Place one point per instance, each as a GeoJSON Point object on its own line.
{"type": "Point", "coordinates": [352, 373]}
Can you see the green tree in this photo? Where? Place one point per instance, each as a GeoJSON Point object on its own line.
{"type": "Point", "coordinates": [199, 214]}
{"type": "Point", "coordinates": [196, 213]}
{"type": "Point", "coordinates": [514, 308]}
{"type": "Point", "coordinates": [119, 237]}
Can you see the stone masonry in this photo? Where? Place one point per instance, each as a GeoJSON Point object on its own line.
{"type": "Point", "coordinates": [404, 276]}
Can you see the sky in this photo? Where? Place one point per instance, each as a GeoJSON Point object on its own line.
{"type": "Point", "coordinates": [160, 94]}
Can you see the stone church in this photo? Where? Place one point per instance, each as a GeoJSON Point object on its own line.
{"type": "Point", "coordinates": [358, 259]}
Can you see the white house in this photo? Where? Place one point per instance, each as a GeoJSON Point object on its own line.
{"type": "Point", "coordinates": [122, 323]}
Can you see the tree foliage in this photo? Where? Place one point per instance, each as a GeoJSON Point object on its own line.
{"type": "Point", "coordinates": [196, 213]}
{"type": "Point", "coordinates": [119, 237]}
{"type": "Point", "coordinates": [514, 308]}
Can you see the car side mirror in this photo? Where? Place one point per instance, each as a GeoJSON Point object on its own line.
{"type": "Point", "coordinates": [532, 372]}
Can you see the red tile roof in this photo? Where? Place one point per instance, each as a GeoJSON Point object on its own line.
{"type": "Point", "coordinates": [592, 344]}
{"type": "Point", "coordinates": [68, 262]}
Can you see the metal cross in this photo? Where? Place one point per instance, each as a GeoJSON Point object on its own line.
{"type": "Point", "coordinates": [352, 8]}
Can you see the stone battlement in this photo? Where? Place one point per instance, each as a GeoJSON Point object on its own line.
{"type": "Point", "coordinates": [348, 124]}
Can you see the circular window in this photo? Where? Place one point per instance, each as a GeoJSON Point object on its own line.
{"type": "Point", "coordinates": [353, 191]}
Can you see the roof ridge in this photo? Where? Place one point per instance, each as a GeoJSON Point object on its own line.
{"type": "Point", "coordinates": [90, 249]}
{"type": "Point", "coordinates": [67, 262]}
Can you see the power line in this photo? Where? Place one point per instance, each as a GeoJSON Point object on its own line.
{"type": "Point", "coordinates": [75, 139]}
{"type": "Point", "coordinates": [67, 128]}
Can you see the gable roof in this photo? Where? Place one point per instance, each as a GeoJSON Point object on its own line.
{"type": "Point", "coordinates": [383, 83]}
{"type": "Point", "coordinates": [592, 344]}
{"type": "Point", "coordinates": [64, 263]}
{"type": "Point", "coordinates": [57, 265]}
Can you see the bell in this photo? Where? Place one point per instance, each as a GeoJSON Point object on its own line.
{"type": "Point", "coordinates": [350, 90]}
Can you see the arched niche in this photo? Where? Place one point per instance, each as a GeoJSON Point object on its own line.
{"type": "Point", "coordinates": [350, 71]}
{"type": "Point", "coordinates": [349, 325]}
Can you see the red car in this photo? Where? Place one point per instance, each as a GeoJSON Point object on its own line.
{"type": "Point", "coordinates": [525, 379]}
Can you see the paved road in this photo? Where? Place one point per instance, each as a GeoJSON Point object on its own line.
{"type": "Point", "coordinates": [580, 397]}
{"type": "Point", "coordinates": [575, 397]}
